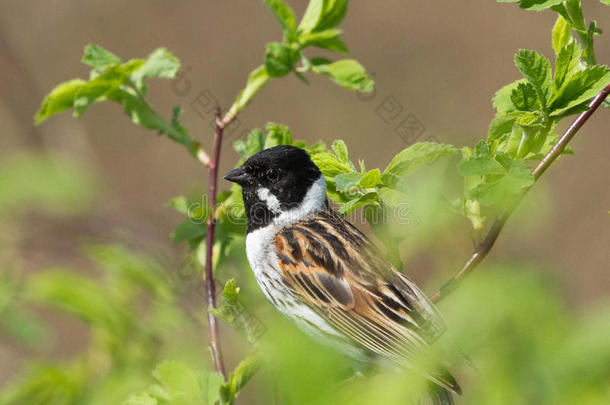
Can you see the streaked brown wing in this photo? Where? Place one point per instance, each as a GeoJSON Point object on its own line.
{"type": "Point", "coordinates": [340, 274]}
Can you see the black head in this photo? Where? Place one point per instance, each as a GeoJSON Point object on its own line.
{"type": "Point", "coordinates": [275, 181]}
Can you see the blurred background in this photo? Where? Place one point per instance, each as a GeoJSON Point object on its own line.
{"type": "Point", "coordinates": [88, 195]}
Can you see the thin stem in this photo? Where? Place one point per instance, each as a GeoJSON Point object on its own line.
{"type": "Point", "coordinates": [209, 272]}
{"type": "Point", "coordinates": [484, 247]}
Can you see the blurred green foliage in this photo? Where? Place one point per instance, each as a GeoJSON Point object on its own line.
{"type": "Point", "coordinates": [524, 342]}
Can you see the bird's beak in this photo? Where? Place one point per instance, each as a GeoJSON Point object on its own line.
{"type": "Point", "coordinates": [238, 176]}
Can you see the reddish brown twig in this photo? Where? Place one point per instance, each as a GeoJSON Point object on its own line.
{"type": "Point", "coordinates": [485, 246]}
{"type": "Point", "coordinates": [209, 271]}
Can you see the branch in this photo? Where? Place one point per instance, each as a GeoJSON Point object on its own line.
{"type": "Point", "coordinates": [485, 246]}
{"type": "Point", "coordinates": [209, 272]}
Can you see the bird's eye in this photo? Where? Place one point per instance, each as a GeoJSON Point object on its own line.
{"type": "Point", "coordinates": [273, 174]}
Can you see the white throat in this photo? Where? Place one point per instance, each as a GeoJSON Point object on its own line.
{"type": "Point", "coordinates": [314, 200]}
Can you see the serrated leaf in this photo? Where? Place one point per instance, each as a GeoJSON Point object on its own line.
{"type": "Point", "coordinates": [480, 166]}
{"type": "Point", "coordinates": [257, 79]}
{"type": "Point", "coordinates": [104, 84]}
{"type": "Point", "coordinates": [330, 165]}
{"type": "Point", "coordinates": [161, 63]}
{"type": "Point", "coordinates": [277, 134]}
{"type": "Point", "coordinates": [504, 189]}
{"type": "Point", "coordinates": [230, 292]}
{"type": "Point", "coordinates": [180, 382]}
{"type": "Point", "coordinates": [524, 97]}
{"type": "Point", "coordinates": [99, 58]}
{"type": "Point", "coordinates": [392, 197]}
{"type": "Point", "coordinates": [580, 88]}
{"type": "Point", "coordinates": [418, 155]}
{"type": "Point", "coordinates": [502, 98]}
{"type": "Point", "coordinates": [190, 232]}
{"type": "Point", "coordinates": [180, 204]}
{"type": "Point", "coordinates": [358, 202]}
{"type": "Point", "coordinates": [501, 124]}
{"type": "Point", "coordinates": [209, 384]}
{"type": "Point", "coordinates": [561, 34]}
{"type": "Point", "coordinates": [528, 119]}
{"type": "Point", "coordinates": [567, 64]}
{"type": "Point", "coordinates": [347, 181]}
{"type": "Point", "coordinates": [285, 16]}
{"type": "Point", "coordinates": [537, 70]}
{"type": "Point", "coordinates": [280, 59]}
{"type": "Point", "coordinates": [347, 73]}
{"type": "Point", "coordinates": [371, 179]}
{"type": "Point", "coordinates": [340, 149]}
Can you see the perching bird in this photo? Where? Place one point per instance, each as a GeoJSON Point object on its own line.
{"type": "Point", "coordinates": [322, 272]}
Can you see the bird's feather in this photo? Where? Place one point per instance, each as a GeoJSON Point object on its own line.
{"type": "Point", "coordinates": [339, 273]}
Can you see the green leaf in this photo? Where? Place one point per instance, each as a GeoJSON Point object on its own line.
{"type": "Point", "coordinates": [358, 202]}
{"type": "Point", "coordinates": [418, 155]}
{"type": "Point", "coordinates": [334, 12]}
{"type": "Point", "coordinates": [280, 59]}
{"type": "Point", "coordinates": [277, 134]}
{"type": "Point", "coordinates": [180, 382]}
{"type": "Point", "coordinates": [190, 232]}
{"type": "Point", "coordinates": [392, 197]}
{"type": "Point", "coordinates": [502, 99]}
{"type": "Point", "coordinates": [347, 73]}
{"type": "Point", "coordinates": [160, 63]}
{"type": "Point", "coordinates": [501, 124]}
{"type": "Point", "coordinates": [59, 99]}
{"type": "Point", "coordinates": [285, 16]}
{"type": "Point", "coordinates": [347, 181]}
{"type": "Point", "coordinates": [328, 39]}
{"type": "Point", "coordinates": [253, 144]}
{"type": "Point", "coordinates": [100, 87]}
{"type": "Point", "coordinates": [330, 165]}
{"type": "Point", "coordinates": [371, 179]}
{"type": "Point", "coordinates": [180, 204]}
{"type": "Point", "coordinates": [230, 292]}
{"type": "Point", "coordinates": [257, 79]}
{"type": "Point", "coordinates": [312, 16]}
{"type": "Point", "coordinates": [308, 38]}
{"type": "Point", "coordinates": [538, 4]}
{"type": "Point", "coordinates": [529, 119]}
{"type": "Point", "coordinates": [524, 97]}
{"type": "Point", "coordinates": [480, 166]}
{"type": "Point", "coordinates": [141, 398]}
{"type": "Point", "coordinates": [76, 295]}
{"type": "Point", "coordinates": [99, 58]}
{"type": "Point", "coordinates": [574, 14]}
{"type": "Point", "coordinates": [340, 149]}
{"type": "Point", "coordinates": [567, 64]}
{"type": "Point", "coordinates": [537, 70]}
{"type": "Point", "coordinates": [504, 189]}
{"type": "Point", "coordinates": [580, 88]}
{"type": "Point", "coordinates": [244, 371]}
{"type": "Point", "coordinates": [561, 34]}
{"type": "Point", "coordinates": [209, 384]}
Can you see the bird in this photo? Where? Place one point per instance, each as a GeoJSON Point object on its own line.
{"type": "Point", "coordinates": [319, 270]}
